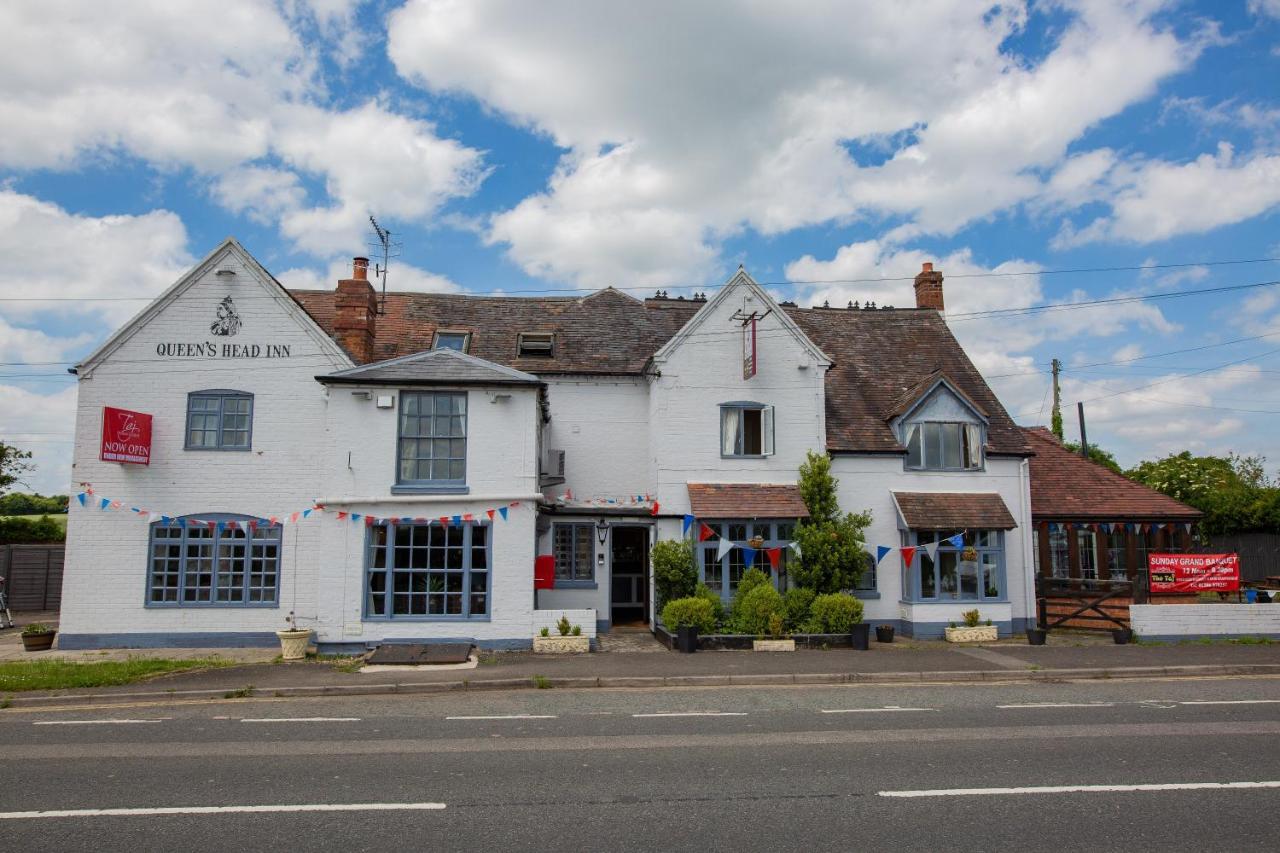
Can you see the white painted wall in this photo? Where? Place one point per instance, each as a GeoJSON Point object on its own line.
{"type": "Point", "coordinates": [1172, 621]}
{"type": "Point", "coordinates": [603, 427]}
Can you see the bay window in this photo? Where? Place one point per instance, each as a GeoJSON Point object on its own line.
{"type": "Point", "coordinates": [215, 560]}
{"type": "Point", "coordinates": [432, 443]}
{"type": "Point", "coordinates": [943, 446]}
{"type": "Point", "coordinates": [427, 571]}
{"type": "Point", "coordinates": [972, 572]}
{"type": "Point", "coordinates": [723, 575]}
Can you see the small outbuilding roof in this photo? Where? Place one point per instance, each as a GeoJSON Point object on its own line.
{"type": "Point", "coordinates": [746, 500]}
{"type": "Point", "coordinates": [1065, 485]}
{"type": "Point", "coordinates": [948, 510]}
{"type": "Point", "coordinates": [434, 367]}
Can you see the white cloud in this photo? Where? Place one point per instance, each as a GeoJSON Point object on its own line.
{"type": "Point", "coordinates": [684, 124]}
{"type": "Point", "coordinates": [1269, 8]}
{"type": "Point", "coordinates": [43, 424]}
{"type": "Point", "coordinates": [21, 344]}
{"type": "Point", "coordinates": [401, 277]}
{"type": "Point", "coordinates": [231, 90]}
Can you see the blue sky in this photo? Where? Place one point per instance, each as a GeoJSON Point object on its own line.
{"type": "Point", "coordinates": [560, 146]}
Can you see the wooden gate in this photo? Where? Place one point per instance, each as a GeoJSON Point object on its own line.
{"type": "Point", "coordinates": [1098, 605]}
{"type": "Point", "coordinates": [33, 575]}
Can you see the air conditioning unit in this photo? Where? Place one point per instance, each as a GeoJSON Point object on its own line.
{"type": "Point", "coordinates": [553, 465]}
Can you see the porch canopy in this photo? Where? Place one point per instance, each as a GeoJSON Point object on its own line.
{"type": "Point", "coordinates": [953, 510]}
{"type": "Point", "coordinates": [746, 500]}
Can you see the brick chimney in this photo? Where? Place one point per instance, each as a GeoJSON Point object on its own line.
{"type": "Point", "coordinates": [929, 289]}
{"type": "Point", "coordinates": [356, 312]}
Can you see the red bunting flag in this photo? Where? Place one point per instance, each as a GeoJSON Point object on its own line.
{"type": "Point", "coordinates": [705, 533]}
{"type": "Point", "coordinates": [908, 554]}
{"type": "Point", "coordinates": [273, 519]}
{"type": "Point", "coordinates": [490, 512]}
{"type": "Point", "coordinates": [654, 511]}
{"type": "Point", "coordinates": [775, 555]}
{"type": "Point", "coordinates": [444, 520]}
{"type": "Point", "coordinates": [341, 515]}
{"type": "Point", "coordinates": [368, 521]}
{"type": "Point", "coordinates": [466, 516]}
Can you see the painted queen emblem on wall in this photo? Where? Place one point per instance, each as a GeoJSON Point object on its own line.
{"type": "Point", "coordinates": [228, 322]}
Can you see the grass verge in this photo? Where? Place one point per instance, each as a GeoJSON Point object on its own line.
{"type": "Point", "coordinates": [16, 676]}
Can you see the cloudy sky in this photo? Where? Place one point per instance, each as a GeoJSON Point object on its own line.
{"type": "Point", "coordinates": [830, 147]}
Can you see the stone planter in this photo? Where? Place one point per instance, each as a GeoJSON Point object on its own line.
{"type": "Point", "coordinates": [773, 645]}
{"type": "Point", "coordinates": [558, 645]}
{"type": "Point", "coordinates": [976, 634]}
{"type": "Point", "coordinates": [41, 642]}
{"type": "Point", "coordinates": [293, 644]}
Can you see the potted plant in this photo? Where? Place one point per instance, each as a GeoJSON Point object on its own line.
{"type": "Point", "coordinates": [688, 617]}
{"type": "Point", "coordinates": [293, 640]}
{"type": "Point", "coordinates": [38, 637]}
{"type": "Point", "coordinates": [884, 633]}
{"type": "Point", "coordinates": [775, 640]}
{"type": "Point", "coordinates": [972, 631]}
{"type": "Point", "coordinates": [1121, 636]}
{"type": "Point", "coordinates": [568, 639]}
{"type": "Point", "coordinates": [1036, 636]}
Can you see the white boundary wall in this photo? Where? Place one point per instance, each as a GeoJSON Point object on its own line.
{"type": "Point", "coordinates": [1185, 621]}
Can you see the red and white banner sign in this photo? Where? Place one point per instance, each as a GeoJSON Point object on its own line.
{"type": "Point", "coordinates": [749, 348]}
{"type": "Point", "coordinates": [126, 436]}
{"type": "Point", "coordinates": [1194, 572]}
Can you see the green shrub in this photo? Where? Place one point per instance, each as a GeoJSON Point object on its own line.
{"type": "Point", "coordinates": [696, 611]}
{"type": "Point", "coordinates": [753, 610]}
{"type": "Point", "coordinates": [675, 573]}
{"type": "Point", "coordinates": [563, 626]}
{"type": "Point", "coordinates": [20, 530]}
{"type": "Point", "coordinates": [713, 598]}
{"type": "Point", "coordinates": [834, 613]}
{"type": "Point", "coordinates": [971, 618]}
{"type": "Point", "coordinates": [752, 579]}
{"type": "Point", "coordinates": [776, 628]}
{"type": "Point", "coordinates": [796, 604]}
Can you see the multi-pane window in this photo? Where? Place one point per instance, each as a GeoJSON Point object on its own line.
{"type": "Point", "coordinates": [723, 575]}
{"type": "Point", "coordinates": [227, 564]}
{"type": "Point", "coordinates": [219, 420]}
{"type": "Point", "coordinates": [1087, 546]}
{"type": "Point", "coordinates": [746, 429]}
{"type": "Point", "coordinates": [574, 550]}
{"type": "Point", "coordinates": [867, 580]}
{"type": "Point", "coordinates": [428, 571]}
{"type": "Point", "coordinates": [942, 446]}
{"type": "Point", "coordinates": [1059, 553]}
{"type": "Point", "coordinates": [972, 572]}
{"type": "Point", "coordinates": [1117, 554]}
{"type": "Point", "coordinates": [433, 437]}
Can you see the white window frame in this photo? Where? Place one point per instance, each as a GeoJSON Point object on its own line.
{"type": "Point", "coordinates": [732, 417]}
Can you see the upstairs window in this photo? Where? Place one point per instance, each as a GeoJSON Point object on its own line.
{"type": "Point", "coordinates": [219, 420]}
{"type": "Point", "coordinates": [940, 446]}
{"type": "Point", "coordinates": [536, 344]}
{"type": "Point", "coordinates": [746, 429]}
{"type": "Point", "coordinates": [460, 341]}
{"type": "Point", "coordinates": [433, 438]}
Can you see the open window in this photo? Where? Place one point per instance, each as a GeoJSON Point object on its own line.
{"type": "Point", "coordinates": [746, 429]}
{"type": "Point", "coordinates": [536, 344]}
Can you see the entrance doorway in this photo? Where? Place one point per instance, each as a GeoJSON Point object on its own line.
{"type": "Point", "coordinates": [629, 575]}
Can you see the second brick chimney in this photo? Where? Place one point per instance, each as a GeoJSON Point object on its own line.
{"type": "Point", "coordinates": [929, 289]}
{"type": "Point", "coordinates": [355, 313]}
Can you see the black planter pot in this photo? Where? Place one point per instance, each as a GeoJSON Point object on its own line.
{"type": "Point", "coordinates": [884, 633]}
{"type": "Point", "coordinates": [687, 639]}
{"type": "Point", "coordinates": [1036, 636]}
{"type": "Point", "coordinates": [1122, 636]}
{"type": "Point", "coordinates": [861, 637]}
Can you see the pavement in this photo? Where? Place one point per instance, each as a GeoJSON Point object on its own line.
{"type": "Point", "coordinates": [1097, 765]}
{"type": "Point", "coordinates": [1065, 657]}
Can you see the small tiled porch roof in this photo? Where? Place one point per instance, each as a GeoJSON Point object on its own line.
{"type": "Point", "coordinates": [746, 500]}
{"type": "Point", "coordinates": [946, 510]}
{"type": "Point", "coordinates": [1065, 485]}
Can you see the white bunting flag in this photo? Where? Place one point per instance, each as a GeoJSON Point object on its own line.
{"type": "Point", "coordinates": [725, 547]}
{"type": "Point", "coordinates": [932, 550]}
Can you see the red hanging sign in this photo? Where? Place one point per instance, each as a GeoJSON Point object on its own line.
{"type": "Point", "coordinates": [126, 436]}
{"type": "Point", "coordinates": [1194, 572]}
{"type": "Point", "coordinates": [749, 348]}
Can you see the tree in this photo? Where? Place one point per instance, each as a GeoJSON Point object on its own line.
{"type": "Point", "coordinates": [1233, 492]}
{"type": "Point", "coordinates": [832, 555]}
{"type": "Point", "coordinates": [1105, 458]}
{"type": "Point", "coordinates": [13, 465]}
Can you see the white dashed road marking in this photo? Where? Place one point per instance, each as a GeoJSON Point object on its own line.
{"type": "Point", "coordinates": [172, 810]}
{"type": "Point", "coordinates": [1080, 789]}
{"type": "Point", "coordinates": [94, 722]}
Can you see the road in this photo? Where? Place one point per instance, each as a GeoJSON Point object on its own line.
{"type": "Point", "coordinates": [960, 767]}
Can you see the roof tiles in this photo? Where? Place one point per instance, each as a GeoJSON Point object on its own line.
{"type": "Point", "coordinates": [746, 500]}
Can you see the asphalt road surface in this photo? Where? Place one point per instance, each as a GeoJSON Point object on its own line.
{"type": "Point", "coordinates": [1104, 765]}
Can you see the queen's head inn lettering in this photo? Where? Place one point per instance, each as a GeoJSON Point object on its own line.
{"type": "Point", "coordinates": [213, 349]}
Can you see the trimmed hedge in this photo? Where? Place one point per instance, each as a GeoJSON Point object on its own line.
{"type": "Point", "coordinates": [675, 574]}
{"type": "Point", "coordinates": [695, 610]}
{"type": "Point", "coordinates": [834, 613]}
{"type": "Point", "coordinates": [24, 530]}
{"type": "Point", "coordinates": [754, 609]}
{"type": "Point", "coordinates": [796, 603]}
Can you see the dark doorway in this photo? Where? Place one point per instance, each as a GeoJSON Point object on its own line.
{"type": "Point", "coordinates": [629, 575]}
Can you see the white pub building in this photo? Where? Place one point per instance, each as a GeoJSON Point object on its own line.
{"type": "Point", "coordinates": [390, 467]}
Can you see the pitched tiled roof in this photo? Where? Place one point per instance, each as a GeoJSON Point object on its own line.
{"type": "Point", "coordinates": [435, 367]}
{"type": "Point", "coordinates": [746, 500]}
{"type": "Point", "coordinates": [946, 510]}
{"type": "Point", "coordinates": [878, 354]}
{"type": "Point", "coordinates": [1065, 485]}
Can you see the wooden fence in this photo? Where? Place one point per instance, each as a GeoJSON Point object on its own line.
{"type": "Point", "coordinates": [1259, 553]}
{"type": "Point", "coordinates": [33, 575]}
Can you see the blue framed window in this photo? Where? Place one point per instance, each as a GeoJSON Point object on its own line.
{"type": "Point", "coordinates": [219, 420]}
{"type": "Point", "coordinates": [432, 444]}
{"type": "Point", "coordinates": [231, 564]}
{"type": "Point", "coordinates": [723, 575]}
{"type": "Point", "coordinates": [459, 341]}
{"type": "Point", "coordinates": [943, 446]}
{"type": "Point", "coordinates": [746, 429]}
{"type": "Point", "coordinates": [972, 572]}
{"type": "Point", "coordinates": [428, 571]}
{"type": "Point", "coordinates": [866, 586]}
{"type": "Point", "coordinates": [574, 548]}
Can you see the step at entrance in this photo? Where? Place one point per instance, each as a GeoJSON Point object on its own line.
{"type": "Point", "coordinates": [418, 654]}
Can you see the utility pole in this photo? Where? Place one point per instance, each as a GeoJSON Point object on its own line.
{"type": "Point", "coordinates": [1084, 442]}
{"type": "Point", "coordinates": [1056, 422]}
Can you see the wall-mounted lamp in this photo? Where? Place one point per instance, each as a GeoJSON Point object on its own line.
{"type": "Point", "coordinates": [362, 395]}
{"type": "Point", "coordinates": [602, 530]}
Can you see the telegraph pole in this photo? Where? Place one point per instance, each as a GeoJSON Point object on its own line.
{"type": "Point", "coordinates": [1084, 442]}
{"type": "Point", "coordinates": [1056, 423]}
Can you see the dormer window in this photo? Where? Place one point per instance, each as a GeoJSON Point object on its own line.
{"type": "Point", "coordinates": [536, 345]}
{"type": "Point", "coordinates": [943, 446]}
{"type": "Point", "coordinates": [446, 339]}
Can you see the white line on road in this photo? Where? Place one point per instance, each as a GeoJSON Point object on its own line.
{"type": "Point", "coordinates": [1231, 702]}
{"type": "Point", "coordinates": [169, 810]}
{"type": "Point", "coordinates": [694, 714]}
{"type": "Point", "coordinates": [1061, 705]}
{"type": "Point", "coordinates": [886, 709]}
{"type": "Point", "coordinates": [1078, 789]}
{"type": "Point", "coordinates": [94, 722]}
{"type": "Point", "coordinates": [300, 720]}
{"type": "Point", "coordinates": [507, 717]}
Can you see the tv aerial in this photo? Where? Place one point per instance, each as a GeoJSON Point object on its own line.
{"type": "Point", "coordinates": [390, 249]}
